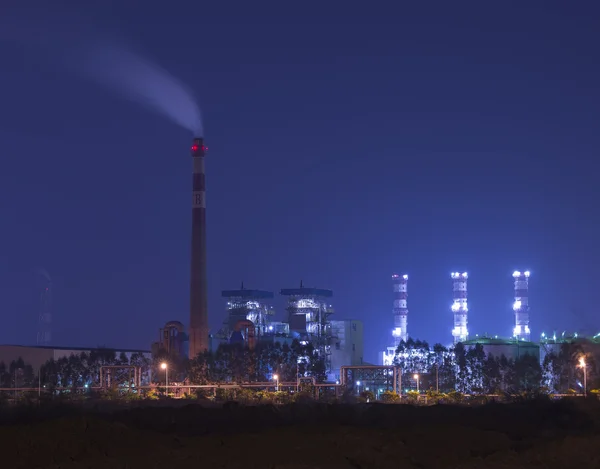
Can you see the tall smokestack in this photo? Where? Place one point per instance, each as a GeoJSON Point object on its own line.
{"type": "Point", "coordinates": [521, 305]}
{"type": "Point", "coordinates": [198, 286]}
{"type": "Point", "coordinates": [400, 332]}
{"type": "Point", "coordinates": [459, 306]}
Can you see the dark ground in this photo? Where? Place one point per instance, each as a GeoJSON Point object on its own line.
{"type": "Point", "coordinates": [535, 434]}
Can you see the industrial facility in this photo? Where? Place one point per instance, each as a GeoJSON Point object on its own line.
{"type": "Point", "coordinates": [520, 339]}
{"type": "Point", "coordinates": [248, 311]}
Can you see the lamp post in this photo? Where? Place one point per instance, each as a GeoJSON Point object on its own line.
{"type": "Point", "coordinates": [164, 366]}
{"type": "Point", "coordinates": [276, 379]}
{"type": "Point", "coordinates": [416, 376]}
{"type": "Point", "coordinates": [582, 365]}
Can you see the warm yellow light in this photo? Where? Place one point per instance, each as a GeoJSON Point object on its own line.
{"type": "Point", "coordinates": [416, 376]}
{"type": "Point", "coordinates": [275, 377]}
{"type": "Point", "coordinates": [163, 366]}
{"type": "Point", "coordinates": [582, 362]}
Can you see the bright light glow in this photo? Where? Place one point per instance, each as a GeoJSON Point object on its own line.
{"type": "Point", "coordinates": [163, 366]}
{"type": "Point", "coordinates": [275, 377]}
{"type": "Point", "coordinates": [397, 332]}
{"type": "Point", "coordinates": [405, 277]}
{"type": "Point", "coordinates": [517, 305]}
{"type": "Point", "coordinates": [527, 273]}
{"type": "Point", "coordinates": [516, 274]}
{"type": "Point", "coordinates": [582, 362]}
{"type": "Point", "coordinates": [517, 330]}
{"type": "Point", "coordinates": [527, 331]}
{"type": "Point", "coordinates": [455, 307]}
{"type": "Point", "coordinates": [270, 328]}
{"type": "Point", "coordinates": [543, 334]}
{"type": "Point", "coordinates": [358, 383]}
{"type": "Point", "coordinates": [415, 376]}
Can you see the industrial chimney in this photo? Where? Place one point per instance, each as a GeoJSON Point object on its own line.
{"type": "Point", "coordinates": [459, 306]}
{"type": "Point", "coordinates": [198, 286]}
{"type": "Point", "coordinates": [521, 305]}
{"type": "Point", "coordinates": [400, 332]}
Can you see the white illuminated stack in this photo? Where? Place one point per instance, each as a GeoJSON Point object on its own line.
{"type": "Point", "coordinates": [400, 332]}
{"type": "Point", "coordinates": [521, 306]}
{"type": "Point", "coordinates": [459, 306]}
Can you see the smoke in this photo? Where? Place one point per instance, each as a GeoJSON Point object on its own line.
{"type": "Point", "coordinates": [118, 67]}
{"type": "Point", "coordinates": [75, 43]}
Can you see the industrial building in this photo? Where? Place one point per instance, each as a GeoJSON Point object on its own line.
{"type": "Point", "coordinates": [38, 355]}
{"type": "Point", "coordinates": [247, 313]}
{"type": "Point", "coordinates": [172, 340]}
{"type": "Point", "coordinates": [308, 316]}
{"type": "Point", "coordinates": [348, 346]}
{"type": "Point", "coordinates": [510, 348]}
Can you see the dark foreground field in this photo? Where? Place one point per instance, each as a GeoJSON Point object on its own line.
{"type": "Point", "coordinates": [530, 435]}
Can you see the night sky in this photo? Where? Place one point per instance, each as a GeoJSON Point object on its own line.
{"type": "Point", "coordinates": [347, 141]}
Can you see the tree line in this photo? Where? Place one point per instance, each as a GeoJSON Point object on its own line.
{"type": "Point", "coordinates": [470, 370]}
{"type": "Point", "coordinates": [230, 363]}
{"type": "Point", "coordinates": [467, 370]}
{"type": "Point", "coordinates": [236, 363]}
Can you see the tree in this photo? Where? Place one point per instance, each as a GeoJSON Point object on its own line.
{"type": "Point", "coordinates": [527, 373]}
{"type": "Point", "coordinates": [443, 359]}
{"type": "Point", "coordinates": [492, 377]}
{"type": "Point", "coordinates": [414, 356]}
{"type": "Point", "coordinates": [475, 361]}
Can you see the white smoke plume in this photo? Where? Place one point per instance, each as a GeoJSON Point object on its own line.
{"type": "Point", "coordinates": [79, 46]}
{"type": "Point", "coordinates": [116, 66]}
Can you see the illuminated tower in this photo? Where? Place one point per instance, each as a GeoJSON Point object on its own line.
{"type": "Point", "coordinates": [521, 305]}
{"type": "Point", "coordinates": [400, 332]}
{"type": "Point", "coordinates": [459, 306]}
{"type": "Point", "coordinates": [198, 335]}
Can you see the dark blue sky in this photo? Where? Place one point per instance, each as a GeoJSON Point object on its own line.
{"type": "Point", "coordinates": [348, 140]}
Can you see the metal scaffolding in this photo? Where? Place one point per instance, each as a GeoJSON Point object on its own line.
{"type": "Point", "coordinates": [308, 313]}
{"type": "Point", "coordinates": [248, 305]}
{"type": "Point", "coordinates": [388, 378]}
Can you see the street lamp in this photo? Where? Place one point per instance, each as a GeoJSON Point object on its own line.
{"type": "Point", "coordinates": [163, 366]}
{"type": "Point", "coordinates": [276, 379]}
{"type": "Point", "coordinates": [582, 365]}
{"type": "Point", "coordinates": [416, 376]}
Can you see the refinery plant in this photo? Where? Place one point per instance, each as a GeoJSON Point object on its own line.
{"type": "Point", "coordinates": [249, 321]}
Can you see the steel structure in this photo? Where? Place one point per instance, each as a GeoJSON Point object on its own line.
{"type": "Point", "coordinates": [400, 332]}
{"type": "Point", "coordinates": [248, 305]}
{"type": "Point", "coordinates": [172, 338]}
{"type": "Point", "coordinates": [387, 377]}
{"type": "Point", "coordinates": [198, 331]}
{"type": "Point", "coordinates": [459, 306]}
{"type": "Point", "coordinates": [521, 305]}
{"type": "Point", "coordinates": [308, 314]}
{"type": "Point", "coordinates": [106, 374]}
